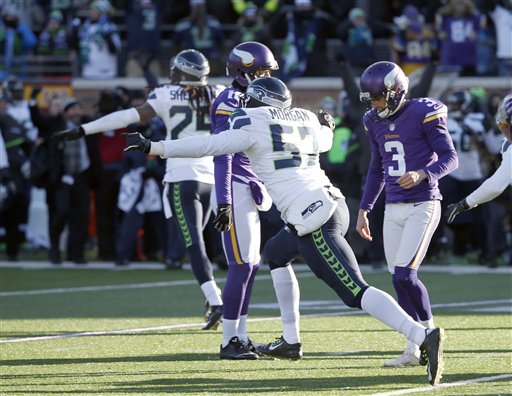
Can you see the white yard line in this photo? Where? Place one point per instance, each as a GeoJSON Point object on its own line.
{"type": "Point", "coordinates": [445, 385]}
{"type": "Point", "coordinates": [190, 325]}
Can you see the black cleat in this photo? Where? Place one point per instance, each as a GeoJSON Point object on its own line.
{"type": "Point", "coordinates": [252, 346]}
{"type": "Point", "coordinates": [432, 349]}
{"type": "Point", "coordinates": [236, 350]}
{"type": "Point", "coordinates": [280, 349]}
{"type": "Point", "coordinates": [214, 317]}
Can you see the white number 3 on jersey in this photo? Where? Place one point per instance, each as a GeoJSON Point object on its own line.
{"type": "Point", "coordinates": [397, 149]}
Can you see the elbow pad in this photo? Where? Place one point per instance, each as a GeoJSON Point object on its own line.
{"type": "Point", "coordinates": [112, 121]}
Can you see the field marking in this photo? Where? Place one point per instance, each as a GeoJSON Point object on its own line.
{"type": "Point", "coordinates": [185, 282]}
{"type": "Point", "coordinates": [442, 386]}
{"type": "Point", "coordinates": [348, 311]}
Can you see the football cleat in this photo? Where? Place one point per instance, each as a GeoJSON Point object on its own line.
{"type": "Point", "coordinates": [214, 317]}
{"type": "Point", "coordinates": [432, 348]}
{"type": "Point", "coordinates": [236, 350]}
{"type": "Point", "coordinates": [407, 358]}
{"type": "Point", "coordinates": [251, 346]}
{"type": "Point", "coordinates": [280, 349]}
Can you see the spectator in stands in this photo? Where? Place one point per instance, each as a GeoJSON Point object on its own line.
{"type": "Point", "coordinates": [97, 42]}
{"type": "Point", "coordinates": [143, 36]}
{"type": "Point", "coordinates": [357, 38]}
{"type": "Point", "coordinates": [54, 42]}
{"type": "Point", "coordinates": [16, 189]}
{"type": "Point", "coordinates": [17, 106]}
{"type": "Point", "coordinates": [139, 194]}
{"type": "Point", "coordinates": [466, 129]}
{"type": "Point", "coordinates": [16, 41]}
{"type": "Point", "coordinates": [202, 32]}
{"type": "Point", "coordinates": [413, 43]}
{"type": "Point", "coordinates": [74, 169]}
{"type": "Point", "coordinates": [502, 16]}
{"type": "Point", "coordinates": [111, 145]}
{"type": "Point", "coordinates": [251, 27]}
{"type": "Point", "coordinates": [266, 8]}
{"type": "Point", "coordinates": [304, 46]}
{"type": "Point", "coordinates": [457, 26]}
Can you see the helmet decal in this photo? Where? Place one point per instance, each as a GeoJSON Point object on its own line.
{"type": "Point", "coordinates": [246, 57]}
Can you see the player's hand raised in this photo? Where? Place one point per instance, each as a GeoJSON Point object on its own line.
{"type": "Point", "coordinates": [69, 134]}
{"type": "Point", "coordinates": [325, 119]}
{"type": "Point", "coordinates": [224, 219]}
{"type": "Point", "coordinates": [135, 141]}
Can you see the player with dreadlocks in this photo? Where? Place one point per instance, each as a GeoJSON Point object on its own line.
{"type": "Point", "coordinates": [184, 106]}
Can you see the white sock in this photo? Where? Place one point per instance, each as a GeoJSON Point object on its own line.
{"type": "Point", "coordinates": [242, 329]}
{"type": "Point", "coordinates": [229, 330]}
{"type": "Point", "coordinates": [411, 347]}
{"type": "Point", "coordinates": [288, 297]}
{"type": "Point", "coordinates": [383, 307]}
{"type": "Point", "coordinates": [429, 324]}
{"type": "Point", "coordinates": [211, 293]}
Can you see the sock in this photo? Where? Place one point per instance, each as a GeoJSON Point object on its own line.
{"type": "Point", "coordinates": [229, 330]}
{"type": "Point", "coordinates": [383, 307]}
{"type": "Point", "coordinates": [416, 291]}
{"type": "Point", "coordinates": [211, 293]}
{"type": "Point", "coordinates": [429, 324]}
{"type": "Point", "coordinates": [242, 329]}
{"type": "Point", "coordinates": [288, 296]}
{"type": "Point", "coordinates": [403, 299]}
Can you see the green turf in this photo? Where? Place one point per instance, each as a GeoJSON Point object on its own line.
{"type": "Point", "coordinates": [343, 355]}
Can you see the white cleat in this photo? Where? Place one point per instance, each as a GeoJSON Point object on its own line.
{"type": "Point", "coordinates": [405, 359]}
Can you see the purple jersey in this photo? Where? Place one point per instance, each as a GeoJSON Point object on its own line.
{"type": "Point", "coordinates": [413, 139]}
{"type": "Point", "coordinates": [230, 166]}
{"type": "Point", "coordinates": [459, 46]}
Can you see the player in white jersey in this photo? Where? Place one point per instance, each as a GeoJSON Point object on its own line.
{"type": "Point", "coordinates": [502, 178]}
{"type": "Point", "coordinates": [283, 146]}
{"type": "Point", "coordinates": [184, 107]}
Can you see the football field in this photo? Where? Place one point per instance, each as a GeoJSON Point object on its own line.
{"type": "Point", "coordinates": [101, 330]}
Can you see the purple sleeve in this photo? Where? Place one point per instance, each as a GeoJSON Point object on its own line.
{"type": "Point", "coordinates": [374, 178]}
{"type": "Point", "coordinates": [442, 144]}
{"type": "Point", "coordinates": [222, 163]}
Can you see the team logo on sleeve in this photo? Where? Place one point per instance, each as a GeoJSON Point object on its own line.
{"type": "Point", "coordinates": [311, 209]}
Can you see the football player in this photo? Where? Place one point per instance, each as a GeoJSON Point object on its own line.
{"type": "Point", "coordinates": [283, 146]}
{"type": "Point", "coordinates": [502, 178]}
{"type": "Point", "coordinates": [410, 150]}
{"type": "Point", "coordinates": [184, 106]}
{"type": "Point", "coordinates": [239, 195]}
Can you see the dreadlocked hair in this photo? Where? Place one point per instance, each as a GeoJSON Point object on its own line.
{"type": "Point", "coordinates": [200, 98]}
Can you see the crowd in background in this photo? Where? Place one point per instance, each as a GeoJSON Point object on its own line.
{"type": "Point", "coordinates": [87, 182]}
{"type": "Point", "coordinates": [104, 39]}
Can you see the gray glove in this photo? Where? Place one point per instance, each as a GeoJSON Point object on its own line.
{"type": "Point", "coordinates": [325, 119]}
{"type": "Point", "coordinates": [69, 134]}
{"type": "Point", "coordinates": [454, 209]}
{"type": "Point", "coordinates": [135, 141]}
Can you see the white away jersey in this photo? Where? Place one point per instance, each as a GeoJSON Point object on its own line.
{"type": "Point", "coordinates": [171, 103]}
{"type": "Point", "coordinates": [283, 147]}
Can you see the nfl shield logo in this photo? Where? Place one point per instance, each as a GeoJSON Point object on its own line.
{"type": "Point", "coordinates": [392, 127]}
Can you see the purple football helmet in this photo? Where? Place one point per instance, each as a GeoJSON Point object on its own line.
{"type": "Point", "coordinates": [383, 79]}
{"type": "Point", "coordinates": [248, 58]}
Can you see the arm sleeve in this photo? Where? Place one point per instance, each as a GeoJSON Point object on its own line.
{"type": "Point", "coordinates": [112, 121]}
{"type": "Point", "coordinates": [495, 184]}
{"type": "Point", "coordinates": [204, 146]}
{"type": "Point", "coordinates": [441, 143]}
{"type": "Point", "coordinates": [374, 178]}
{"type": "Point", "coordinates": [324, 138]}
